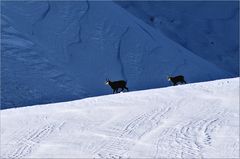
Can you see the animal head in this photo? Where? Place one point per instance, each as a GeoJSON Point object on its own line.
{"type": "Point", "coordinates": [168, 78]}
{"type": "Point", "coordinates": [107, 81]}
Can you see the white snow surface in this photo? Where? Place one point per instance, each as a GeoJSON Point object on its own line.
{"type": "Point", "coordinates": [198, 120]}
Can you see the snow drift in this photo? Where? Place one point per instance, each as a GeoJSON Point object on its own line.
{"type": "Point", "coordinates": [58, 51]}
{"type": "Point", "coordinates": [190, 121]}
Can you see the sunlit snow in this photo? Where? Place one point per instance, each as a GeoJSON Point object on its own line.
{"type": "Point", "coordinates": [187, 121]}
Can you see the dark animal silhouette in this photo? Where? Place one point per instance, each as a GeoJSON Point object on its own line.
{"type": "Point", "coordinates": [177, 79]}
{"type": "Point", "coordinates": [117, 84]}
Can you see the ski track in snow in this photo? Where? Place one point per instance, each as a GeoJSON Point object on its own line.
{"type": "Point", "coordinates": [190, 121]}
{"type": "Point", "coordinates": [23, 141]}
{"type": "Point", "coordinates": [131, 130]}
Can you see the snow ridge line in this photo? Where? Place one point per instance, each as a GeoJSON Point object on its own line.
{"type": "Point", "coordinates": [119, 53]}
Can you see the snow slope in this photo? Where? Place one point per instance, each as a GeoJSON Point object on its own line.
{"type": "Point", "coordinates": [210, 29]}
{"type": "Point", "coordinates": [189, 121]}
{"type": "Point", "coordinates": [55, 51]}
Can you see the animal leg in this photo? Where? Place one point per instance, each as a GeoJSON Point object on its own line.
{"type": "Point", "coordinates": [126, 88]}
{"type": "Point", "coordinates": [122, 89]}
{"type": "Point", "coordinates": [117, 90]}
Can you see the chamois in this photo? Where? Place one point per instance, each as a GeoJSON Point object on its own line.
{"type": "Point", "coordinates": [117, 84]}
{"type": "Point", "coordinates": [177, 79]}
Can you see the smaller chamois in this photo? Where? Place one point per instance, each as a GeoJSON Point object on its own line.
{"type": "Point", "coordinates": [177, 79]}
{"type": "Point", "coordinates": [117, 84]}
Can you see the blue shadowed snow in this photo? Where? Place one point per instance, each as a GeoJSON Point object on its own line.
{"type": "Point", "coordinates": [58, 51]}
{"type": "Point", "coordinates": [210, 29]}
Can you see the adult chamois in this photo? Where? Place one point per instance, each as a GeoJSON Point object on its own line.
{"type": "Point", "coordinates": [117, 84]}
{"type": "Point", "coordinates": [177, 79]}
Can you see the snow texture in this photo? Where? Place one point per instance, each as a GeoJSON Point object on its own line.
{"type": "Point", "coordinates": [198, 120]}
{"type": "Point", "coordinates": [210, 29]}
{"type": "Point", "coordinates": [54, 51]}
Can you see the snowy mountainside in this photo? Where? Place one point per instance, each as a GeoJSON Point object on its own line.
{"type": "Point", "coordinates": [199, 120]}
{"type": "Point", "coordinates": [57, 51]}
{"type": "Point", "coordinates": [210, 29]}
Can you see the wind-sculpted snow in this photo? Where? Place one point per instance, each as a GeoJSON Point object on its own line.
{"type": "Point", "coordinates": [210, 29]}
{"type": "Point", "coordinates": [190, 121]}
{"type": "Point", "coordinates": [56, 51]}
